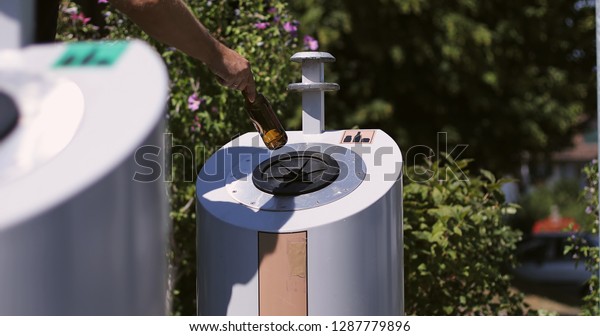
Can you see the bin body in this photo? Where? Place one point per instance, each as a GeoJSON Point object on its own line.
{"type": "Point", "coordinates": [338, 256]}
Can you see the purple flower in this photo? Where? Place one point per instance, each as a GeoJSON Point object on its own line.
{"type": "Point", "coordinates": [261, 25]}
{"type": "Point", "coordinates": [80, 17]}
{"type": "Point", "coordinates": [588, 210]}
{"type": "Point", "coordinates": [276, 18]}
{"type": "Point", "coordinates": [272, 10]}
{"type": "Point", "coordinates": [196, 125]}
{"type": "Point", "coordinates": [194, 102]}
{"type": "Point", "coordinates": [290, 27]}
{"type": "Point", "coordinates": [102, 1]}
{"type": "Point", "coordinates": [310, 43]}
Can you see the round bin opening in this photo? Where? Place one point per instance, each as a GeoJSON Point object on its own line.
{"type": "Point", "coordinates": [295, 173]}
{"type": "Point", "coordinates": [8, 115]}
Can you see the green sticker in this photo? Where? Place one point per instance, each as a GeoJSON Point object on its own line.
{"type": "Point", "coordinates": [91, 54]}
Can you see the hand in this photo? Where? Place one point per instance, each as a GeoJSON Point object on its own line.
{"type": "Point", "coordinates": [233, 71]}
{"type": "Point", "coordinates": [173, 23]}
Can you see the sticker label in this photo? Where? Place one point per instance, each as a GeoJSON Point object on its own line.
{"type": "Point", "coordinates": [357, 136]}
{"type": "Point", "coordinates": [91, 54]}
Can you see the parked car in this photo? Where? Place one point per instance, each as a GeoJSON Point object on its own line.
{"type": "Point", "coordinates": [545, 269]}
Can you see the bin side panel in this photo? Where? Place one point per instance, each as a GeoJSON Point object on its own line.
{"type": "Point", "coordinates": [354, 264]}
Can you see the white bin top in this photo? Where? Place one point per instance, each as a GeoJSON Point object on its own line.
{"type": "Point", "coordinates": [80, 116]}
{"type": "Point", "coordinates": [215, 186]}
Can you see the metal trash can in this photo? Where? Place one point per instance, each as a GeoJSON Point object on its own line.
{"type": "Point", "coordinates": [79, 233]}
{"type": "Point", "coordinates": [313, 228]}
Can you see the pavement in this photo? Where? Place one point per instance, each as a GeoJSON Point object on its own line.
{"type": "Point", "coordinates": [538, 302]}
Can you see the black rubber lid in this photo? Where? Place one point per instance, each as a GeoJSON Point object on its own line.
{"type": "Point", "coordinates": [295, 173]}
{"type": "Point", "coordinates": [8, 115]}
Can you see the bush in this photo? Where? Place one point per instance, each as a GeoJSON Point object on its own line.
{"type": "Point", "coordinates": [589, 254]}
{"type": "Point", "coordinates": [202, 115]}
{"type": "Point", "coordinates": [457, 246]}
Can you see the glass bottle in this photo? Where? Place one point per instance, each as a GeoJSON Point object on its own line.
{"type": "Point", "coordinates": [266, 122]}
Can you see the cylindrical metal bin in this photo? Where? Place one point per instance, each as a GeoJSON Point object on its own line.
{"type": "Point", "coordinates": [83, 224]}
{"type": "Point", "coordinates": [333, 251]}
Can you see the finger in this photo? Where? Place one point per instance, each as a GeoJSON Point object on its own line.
{"type": "Point", "coordinates": [226, 83]}
{"type": "Point", "coordinates": [250, 88]}
{"type": "Point", "coordinates": [220, 80]}
{"type": "Point", "coordinates": [242, 82]}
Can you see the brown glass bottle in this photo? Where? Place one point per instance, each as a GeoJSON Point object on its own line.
{"type": "Point", "coordinates": [266, 122]}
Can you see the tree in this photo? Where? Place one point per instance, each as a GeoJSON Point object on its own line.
{"type": "Point", "coordinates": [503, 77]}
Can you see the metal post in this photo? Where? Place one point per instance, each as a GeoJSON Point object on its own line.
{"type": "Point", "coordinates": [312, 88]}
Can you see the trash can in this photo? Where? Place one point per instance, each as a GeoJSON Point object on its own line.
{"type": "Point", "coordinates": [83, 226]}
{"type": "Point", "coordinates": [313, 228]}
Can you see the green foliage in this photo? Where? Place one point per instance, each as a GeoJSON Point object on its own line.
{"type": "Point", "coordinates": [220, 115]}
{"type": "Point", "coordinates": [590, 254]}
{"type": "Point", "coordinates": [590, 194]}
{"type": "Point", "coordinates": [457, 246]}
{"type": "Point", "coordinates": [501, 76]}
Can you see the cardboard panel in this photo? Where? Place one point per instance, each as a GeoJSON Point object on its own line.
{"type": "Point", "coordinates": [282, 274]}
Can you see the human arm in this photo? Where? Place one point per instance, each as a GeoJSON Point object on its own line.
{"type": "Point", "coordinates": [171, 22]}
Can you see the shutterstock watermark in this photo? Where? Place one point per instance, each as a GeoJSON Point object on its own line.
{"type": "Point", "coordinates": [416, 155]}
{"type": "Point", "coordinates": [159, 163]}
